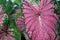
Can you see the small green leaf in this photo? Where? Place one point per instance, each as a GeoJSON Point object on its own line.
{"type": "Point", "coordinates": [37, 1]}
{"type": "Point", "coordinates": [20, 14]}
{"type": "Point", "coordinates": [17, 34]}
{"type": "Point", "coordinates": [19, 2]}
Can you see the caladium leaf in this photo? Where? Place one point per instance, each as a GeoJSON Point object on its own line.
{"type": "Point", "coordinates": [20, 24]}
{"type": "Point", "coordinates": [35, 1]}
{"type": "Point", "coordinates": [41, 24]}
{"type": "Point", "coordinates": [3, 19]}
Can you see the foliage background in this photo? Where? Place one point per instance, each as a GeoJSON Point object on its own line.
{"type": "Point", "coordinates": [13, 5]}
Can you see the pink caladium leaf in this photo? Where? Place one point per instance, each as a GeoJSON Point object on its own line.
{"type": "Point", "coordinates": [20, 23]}
{"type": "Point", "coordinates": [41, 23]}
{"type": "Point", "coordinates": [5, 32]}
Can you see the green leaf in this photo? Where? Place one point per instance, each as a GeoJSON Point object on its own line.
{"type": "Point", "coordinates": [6, 21]}
{"type": "Point", "coordinates": [57, 10]}
{"type": "Point", "coordinates": [19, 2]}
{"type": "Point", "coordinates": [16, 32]}
{"type": "Point", "coordinates": [1, 27]}
{"type": "Point", "coordinates": [9, 7]}
{"type": "Point", "coordinates": [3, 2]}
{"type": "Point", "coordinates": [59, 25]}
{"type": "Point", "coordinates": [37, 1]}
{"type": "Point", "coordinates": [20, 14]}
